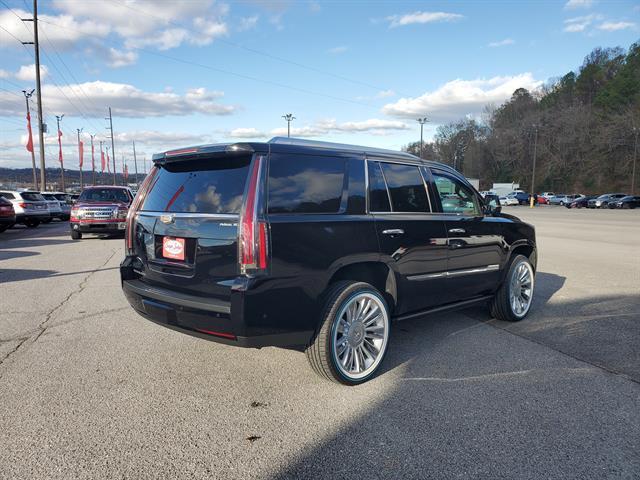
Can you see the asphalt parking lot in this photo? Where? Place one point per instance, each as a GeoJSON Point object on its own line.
{"type": "Point", "coordinates": [90, 390]}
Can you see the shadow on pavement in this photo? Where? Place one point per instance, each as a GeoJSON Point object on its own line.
{"type": "Point", "coordinates": [8, 275]}
{"type": "Point", "coordinates": [8, 254]}
{"type": "Point", "coordinates": [476, 402]}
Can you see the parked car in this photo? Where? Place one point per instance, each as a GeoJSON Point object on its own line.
{"type": "Point", "coordinates": [7, 214]}
{"type": "Point", "coordinates": [603, 200]}
{"type": "Point", "coordinates": [580, 202]}
{"type": "Point", "coordinates": [55, 208]}
{"type": "Point", "coordinates": [630, 201]}
{"type": "Point", "coordinates": [509, 201]}
{"type": "Point", "coordinates": [542, 200]}
{"type": "Point", "coordinates": [30, 207]}
{"type": "Point", "coordinates": [546, 195]}
{"type": "Point", "coordinates": [563, 199]}
{"type": "Point", "coordinates": [318, 245]}
{"type": "Point", "coordinates": [65, 203]}
{"type": "Point", "coordinates": [101, 209]}
{"type": "Point", "coordinates": [520, 196]}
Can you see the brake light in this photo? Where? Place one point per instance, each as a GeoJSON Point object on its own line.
{"type": "Point", "coordinates": [23, 205]}
{"type": "Point", "coordinates": [253, 233]}
{"type": "Point", "coordinates": [133, 209]}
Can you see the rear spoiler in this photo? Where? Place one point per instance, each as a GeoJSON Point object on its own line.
{"type": "Point", "coordinates": [208, 151]}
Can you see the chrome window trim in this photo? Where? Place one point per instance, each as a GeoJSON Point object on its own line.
{"type": "Point", "coordinates": [470, 271]}
{"type": "Point", "coordinates": [153, 213]}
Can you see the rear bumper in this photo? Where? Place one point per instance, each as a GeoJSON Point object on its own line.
{"type": "Point", "coordinates": [212, 319]}
{"type": "Point", "coordinates": [25, 217]}
{"type": "Point", "coordinates": [8, 220]}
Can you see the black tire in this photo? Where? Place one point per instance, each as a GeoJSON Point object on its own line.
{"type": "Point", "coordinates": [625, 206]}
{"type": "Point", "coordinates": [75, 235]}
{"type": "Point", "coordinates": [319, 351]}
{"type": "Point", "coordinates": [562, 204]}
{"type": "Point", "coordinates": [4, 227]}
{"type": "Point", "coordinates": [500, 305]}
{"type": "Point", "coordinates": [32, 223]}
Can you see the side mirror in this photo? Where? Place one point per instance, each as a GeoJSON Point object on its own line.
{"type": "Point", "coordinates": [493, 207]}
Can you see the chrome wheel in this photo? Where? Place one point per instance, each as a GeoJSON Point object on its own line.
{"type": "Point", "coordinates": [521, 289]}
{"type": "Point", "coordinates": [360, 334]}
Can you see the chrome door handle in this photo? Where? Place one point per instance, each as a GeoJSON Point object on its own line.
{"type": "Point", "coordinates": [393, 231]}
{"type": "Point", "coordinates": [457, 230]}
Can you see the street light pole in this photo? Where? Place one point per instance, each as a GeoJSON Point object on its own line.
{"type": "Point", "coordinates": [289, 118]}
{"type": "Point", "coordinates": [27, 96]}
{"type": "Point", "coordinates": [635, 159]}
{"type": "Point", "coordinates": [422, 121]}
{"type": "Point", "coordinates": [533, 173]}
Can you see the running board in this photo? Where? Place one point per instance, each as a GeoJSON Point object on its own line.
{"type": "Point", "coordinates": [444, 308]}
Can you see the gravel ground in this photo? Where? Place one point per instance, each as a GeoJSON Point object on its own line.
{"type": "Point", "coordinates": [88, 389]}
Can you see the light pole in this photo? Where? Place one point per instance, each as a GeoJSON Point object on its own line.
{"type": "Point", "coordinates": [289, 118]}
{"type": "Point", "coordinates": [533, 172]}
{"type": "Point", "coordinates": [635, 158]}
{"type": "Point", "coordinates": [27, 96]}
{"type": "Point", "coordinates": [422, 121]}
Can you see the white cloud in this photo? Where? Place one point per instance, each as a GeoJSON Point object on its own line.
{"type": "Point", "coordinates": [615, 26]}
{"type": "Point", "coordinates": [27, 73]}
{"type": "Point", "coordinates": [580, 24]}
{"type": "Point", "coordinates": [125, 101]}
{"type": "Point", "coordinates": [458, 98]}
{"type": "Point", "coordinates": [4, 74]}
{"type": "Point", "coordinates": [501, 43]}
{"type": "Point", "coordinates": [385, 94]}
{"type": "Point", "coordinates": [572, 4]}
{"type": "Point", "coordinates": [421, 18]}
{"type": "Point", "coordinates": [248, 23]}
{"type": "Point", "coordinates": [246, 133]}
{"type": "Point", "coordinates": [338, 50]}
{"type": "Point", "coordinates": [121, 58]}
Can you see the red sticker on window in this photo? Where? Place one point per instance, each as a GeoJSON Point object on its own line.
{"type": "Point", "coordinates": [173, 248]}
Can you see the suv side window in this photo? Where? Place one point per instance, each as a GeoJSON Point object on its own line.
{"type": "Point", "coordinates": [7, 195]}
{"type": "Point", "coordinates": [406, 187]}
{"type": "Point", "coordinates": [305, 184]}
{"type": "Point", "coordinates": [378, 195]}
{"type": "Point", "coordinates": [455, 196]}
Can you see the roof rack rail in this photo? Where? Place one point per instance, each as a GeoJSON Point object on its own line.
{"type": "Point", "coordinates": [340, 146]}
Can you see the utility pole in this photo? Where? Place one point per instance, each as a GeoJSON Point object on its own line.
{"type": "Point", "coordinates": [289, 118]}
{"type": "Point", "coordinates": [36, 44]}
{"type": "Point", "coordinates": [533, 173]}
{"type": "Point", "coordinates": [113, 147]}
{"type": "Point", "coordinates": [27, 96]}
{"type": "Point", "coordinates": [93, 163]}
{"type": "Point", "coordinates": [635, 159]}
{"type": "Point", "coordinates": [80, 156]}
{"type": "Point", "coordinates": [135, 161]}
{"type": "Point", "coordinates": [58, 118]}
{"type": "Point", "coordinates": [422, 121]}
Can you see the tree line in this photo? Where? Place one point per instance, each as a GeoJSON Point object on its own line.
{"type": "Point", "coordinates": [582, 128]}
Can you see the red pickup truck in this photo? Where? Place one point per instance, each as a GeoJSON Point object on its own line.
{"type": "Point", "coordinates": [100, 209]}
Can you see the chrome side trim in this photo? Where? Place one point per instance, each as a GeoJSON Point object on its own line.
{"type": "Point", "coordinates": [455, 273]}
{"type": "Point", "coordinates": [232, 216]}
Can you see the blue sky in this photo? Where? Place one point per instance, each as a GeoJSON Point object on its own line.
{"type": "Point", "coordinates": [182, 73]}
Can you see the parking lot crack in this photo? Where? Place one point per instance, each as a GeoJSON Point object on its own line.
{"type": "Point", "coordinates": [44, 325]}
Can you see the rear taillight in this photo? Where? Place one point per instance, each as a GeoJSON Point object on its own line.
{"type": "Point", "coordinates": [253, 235]}
{"type": "Point", "coordinates": [23, 205]}
{"type": "Point", "coordinates": [133, 209]}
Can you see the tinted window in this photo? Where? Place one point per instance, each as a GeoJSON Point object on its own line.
{"type": "Point", "coordinates": [203, 186]}
{"type": "Point", "coordinates": [405, 187]}
{"type": "Point", "coordinates": [455, 196]}
{"type": "Point", "coordinates": [104, 195]}
{"type": "Point", "coordinates": [305, 184]}
{"type": "Point", "coordinates": [378, 197]}
{"type": "Point", "coordinates": [32, 196]}
{"type": "Point", "coordinates": [7, 195]}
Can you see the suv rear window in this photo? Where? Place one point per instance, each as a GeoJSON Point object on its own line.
{"type": "Point", "coordinates": [199, 186]}
{"type": "Point", "coordinates": [305, 184]}
{"type": "Point", "coordinates": [32, 196]}
{"type": "Point", "coordinates": [104, 195]}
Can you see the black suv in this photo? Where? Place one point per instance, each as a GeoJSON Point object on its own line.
{"type": "Point", "coordinates": [319, 245]}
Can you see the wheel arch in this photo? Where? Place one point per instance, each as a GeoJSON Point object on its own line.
{"type": "Point", "coordinates": [375, 273]}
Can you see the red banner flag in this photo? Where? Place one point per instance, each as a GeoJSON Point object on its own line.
{"type": "Point", "coordinates": [81, 152]}
{"type": "Point", "coordinates": [30, 140]}
{"type": "Point", "coordinates": [108, 163]}
{"type": "Point", "coordinates": [102, 160]}
{"type": "Point", "coordinates": [125, 172]}
{"type": "Point", "coordinates": [60, 149]}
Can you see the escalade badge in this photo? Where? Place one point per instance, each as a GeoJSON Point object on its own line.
{"type": "Point", "coordinates": [167, 219]}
